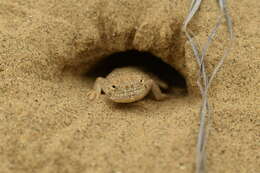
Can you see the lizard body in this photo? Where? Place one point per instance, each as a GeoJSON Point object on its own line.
{"type": "Point", "coordinates": [128, 84]}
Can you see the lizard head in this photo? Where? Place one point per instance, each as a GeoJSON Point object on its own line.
{"type": "Point", "coordinates": [127, 88]}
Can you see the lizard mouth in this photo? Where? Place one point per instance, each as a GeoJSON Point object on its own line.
{"type": "Point", "coordinates": [129, 96]}
{"type": "Point", "coordinates": [126, 100]}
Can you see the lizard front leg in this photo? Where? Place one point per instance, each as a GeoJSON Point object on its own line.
{"type": "Point", "coordinates": [157, 91]}
{"type": "Point", "coordinates": [97, 89]}
{"type": "Point", "coordinates": [162, 84]}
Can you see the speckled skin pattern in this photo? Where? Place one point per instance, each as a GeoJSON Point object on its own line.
{"type": "Point", "coordinates": [128, 84]}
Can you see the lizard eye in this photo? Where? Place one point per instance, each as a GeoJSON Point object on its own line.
{"type": "Point", "coordinates": [141, 80]}
{"type": "Point", "coordinates": [113, 86]}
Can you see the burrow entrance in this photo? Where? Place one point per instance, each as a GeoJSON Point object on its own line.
{"type": "Point", "coordinates": [145, 60]}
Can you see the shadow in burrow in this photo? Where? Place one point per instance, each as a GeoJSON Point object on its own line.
{"type": "Point", "coordinates": [149, 62]}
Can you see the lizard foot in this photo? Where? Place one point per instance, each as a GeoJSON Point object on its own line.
{"type": "Point", "coordinates": [92, 94]}
{"type": "Point", "coordinates": [162, 96]}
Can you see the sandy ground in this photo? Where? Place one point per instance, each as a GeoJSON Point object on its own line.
{"type": "Point", "coordinates": [48, 125]}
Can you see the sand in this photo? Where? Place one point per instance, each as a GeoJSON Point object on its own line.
{"type": "Point", "coordinates": [47, 124]}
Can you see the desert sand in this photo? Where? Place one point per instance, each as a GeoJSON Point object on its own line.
{"type": "Point", "coordinates": [48, 125]}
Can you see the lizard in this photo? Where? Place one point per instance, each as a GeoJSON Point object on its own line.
{"type": "Point", "coordinates": [128, 84]}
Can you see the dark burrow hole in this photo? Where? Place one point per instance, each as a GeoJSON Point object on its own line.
{"type": "Point", "coordinates": [145, 60]}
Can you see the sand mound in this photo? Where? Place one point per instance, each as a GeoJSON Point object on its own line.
{"type": "Point", "coordinates": [48, 125]}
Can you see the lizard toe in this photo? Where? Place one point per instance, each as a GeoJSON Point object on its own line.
{"type": "Point", "coordinates": [92, 95]}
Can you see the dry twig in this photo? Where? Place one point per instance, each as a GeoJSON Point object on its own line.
{"type": "Point", "coordinates": [204, 81]}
